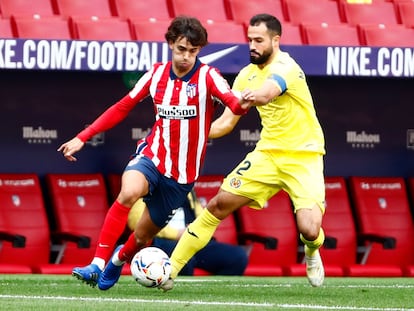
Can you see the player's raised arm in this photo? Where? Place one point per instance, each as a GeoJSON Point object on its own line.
{"type": "Point", "coordinates": [70, 148]}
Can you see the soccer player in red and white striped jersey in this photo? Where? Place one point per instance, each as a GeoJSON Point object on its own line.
{"type": "Point", "coordinates": [168, 160]}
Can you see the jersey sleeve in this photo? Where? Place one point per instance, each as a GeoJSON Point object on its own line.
{"type": "Point", "coordinates": [283, 73]}
{"type": "Point", "coordinates": [119, 111]}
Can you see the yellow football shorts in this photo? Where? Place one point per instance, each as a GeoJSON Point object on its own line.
{"type": "Point", "coordinates": [263, 173]}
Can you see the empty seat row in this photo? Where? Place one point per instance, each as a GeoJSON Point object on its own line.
{"type": "Point", "coordinates": [49, 229]}
{"type": "Point", "coordinates": [294, 11]}
{"type": "Point", "coordinates": [107, 28]}
{"type": "Point", "coordinates": [50, 226]}
{"type": "Point", "coordinates": [93, 28]}
{"type": "Point", "coordinates": [229, 14]}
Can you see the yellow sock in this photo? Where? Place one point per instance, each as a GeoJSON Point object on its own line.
{"type": "Point", "coordinates": [313, 246]}
{"type": "Point", "coordinates": [197, 235]}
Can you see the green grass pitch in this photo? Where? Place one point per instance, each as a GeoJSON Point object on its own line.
{"type": "Point", "coordinates": [63, 292]}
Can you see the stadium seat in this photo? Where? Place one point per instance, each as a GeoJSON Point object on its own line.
{"type": "Point", "coordinates": [375, 13]}
{"type": "Point", "coordinates": [5, 28]}
{"type": "Point", "coordinates": [241, 10]}
{"type": "Point", "coordinates": [142, 10]}
{"type": "Point", "coordinates": [316, 11]}
{"type": "Point", "coordinates": [339, 225]}
{"type": "Point", "coordinates": [384, 225]}
{"type": "Point", "coordinates": [225, 32]}
{"type": "Point", "coordinates": [405, 12]}
{"type": "Point", "coordinates": [328, 34]}
{"type": "Point", "coordinates": [213, 10]}
{"type": "Point", "coordinates": [105, 29]}
{"type": "Point", "coordinates": [270, 235]}
{"type": "Point", "coordinates": [386, 35]}
{"type": "Point", "coordinates": [38, 27]}
{"type": "Point", "coordinates": [79, 204]}
{"type": "Point", "coordinates": [150, 30]}
{"type": "Point", "coordinates": [99, 8]}
{"type": "Point", "coordinates": [24, 227]}
{"type": "Point", "coordinates": [291, 35]}
{"type": "Point", "coordinates": [26, 7]}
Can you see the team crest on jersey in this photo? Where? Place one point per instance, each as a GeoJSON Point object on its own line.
{"type": "Point", "coordinates": [235, 183]}
{"type": "Point", "coordinates": [191, 90]}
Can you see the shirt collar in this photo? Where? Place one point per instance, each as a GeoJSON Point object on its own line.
{"type": "Point", "coordinates": [187, 77]}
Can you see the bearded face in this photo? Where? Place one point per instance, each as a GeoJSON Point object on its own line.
{"type": "Point", "coordinates": [259, 59]}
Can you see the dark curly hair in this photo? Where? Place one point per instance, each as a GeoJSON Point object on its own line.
{"type": "Point", "coordinates": [189, 28]}
{"type": "Point", "coordinates": [271, 22]}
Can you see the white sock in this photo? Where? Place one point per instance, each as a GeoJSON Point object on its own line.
{"type": "Point", "coordinates": [99, 262]}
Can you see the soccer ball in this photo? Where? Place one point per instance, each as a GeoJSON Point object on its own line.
{"type": "Point", "coordinates": [150, 267]}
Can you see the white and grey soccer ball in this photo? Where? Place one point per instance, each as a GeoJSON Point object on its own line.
{"type": "Point", "coordinates": [150, 267]}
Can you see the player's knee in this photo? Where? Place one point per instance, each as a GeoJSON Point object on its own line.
{"type": "Point", "coordinates": [310, 233]}
{"type": "Point", "coordinates": [128, 196]}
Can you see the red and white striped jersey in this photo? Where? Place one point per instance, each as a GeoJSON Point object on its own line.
{"type": "Point", "coordinates": [184, 108]}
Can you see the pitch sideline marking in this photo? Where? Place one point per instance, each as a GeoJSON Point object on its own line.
{"type": "Point", "coordinates": [266, 305]}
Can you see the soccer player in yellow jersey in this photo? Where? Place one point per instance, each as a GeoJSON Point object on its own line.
{"type": "Point", "coordinates": [289, 154]}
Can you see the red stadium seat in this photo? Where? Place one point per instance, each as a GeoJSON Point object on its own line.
{"type": "Point", "coordinates": [291, 35]}
{"type": "Point", "coordinates": [338, 224]}
{"type": "Point", "coordinates": [375, 13]}
{"type": "Point", "coordinates": [225, 32]}
{"type": "Point", "coordinates": [328, 34]}
{"type": "Point", "coordinates": [150, 30]}
{"type": "Point", "coordinates": [271, 236]}
{"type": "Point", "coordinates": [38, 27]}
{"type": "Point", "coordinates": [386, 35]}
{"type": "Point", "coordinates": [68, 8]}
{"type": "Point", "coordinates": [94, 28]}
{"type": "Point", "coordinates": [241, 10]}
{"type": "Point", "coordinates": [406, 13]}
{"type": "Point", "coordinates": [5, 28]}
{"type": "Point", "coordinates": [26, 7]}
{"type": "Point", "coordinates": [142, 10]}
{"type": "Point", "coordinates": [79, 205]}
{"type": "Point", "coordinates": [212, 10]}
{"type": "Point", "coordinates": [384, 223]}
{"type": "Point", "coordinates": [24, 228]}
{"type": "Point", "coordinates": [316, 11]}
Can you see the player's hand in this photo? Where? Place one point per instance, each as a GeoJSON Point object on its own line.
{"type": "Point", "coordinates": [248, 99]}
{"type": "Point", "coordinates": [71, 147]}
{"type": "Point", "coordinates": [248, 95]}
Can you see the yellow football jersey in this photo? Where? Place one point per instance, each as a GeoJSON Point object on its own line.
{"type": "Point", "coordinates": [289, 121]}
